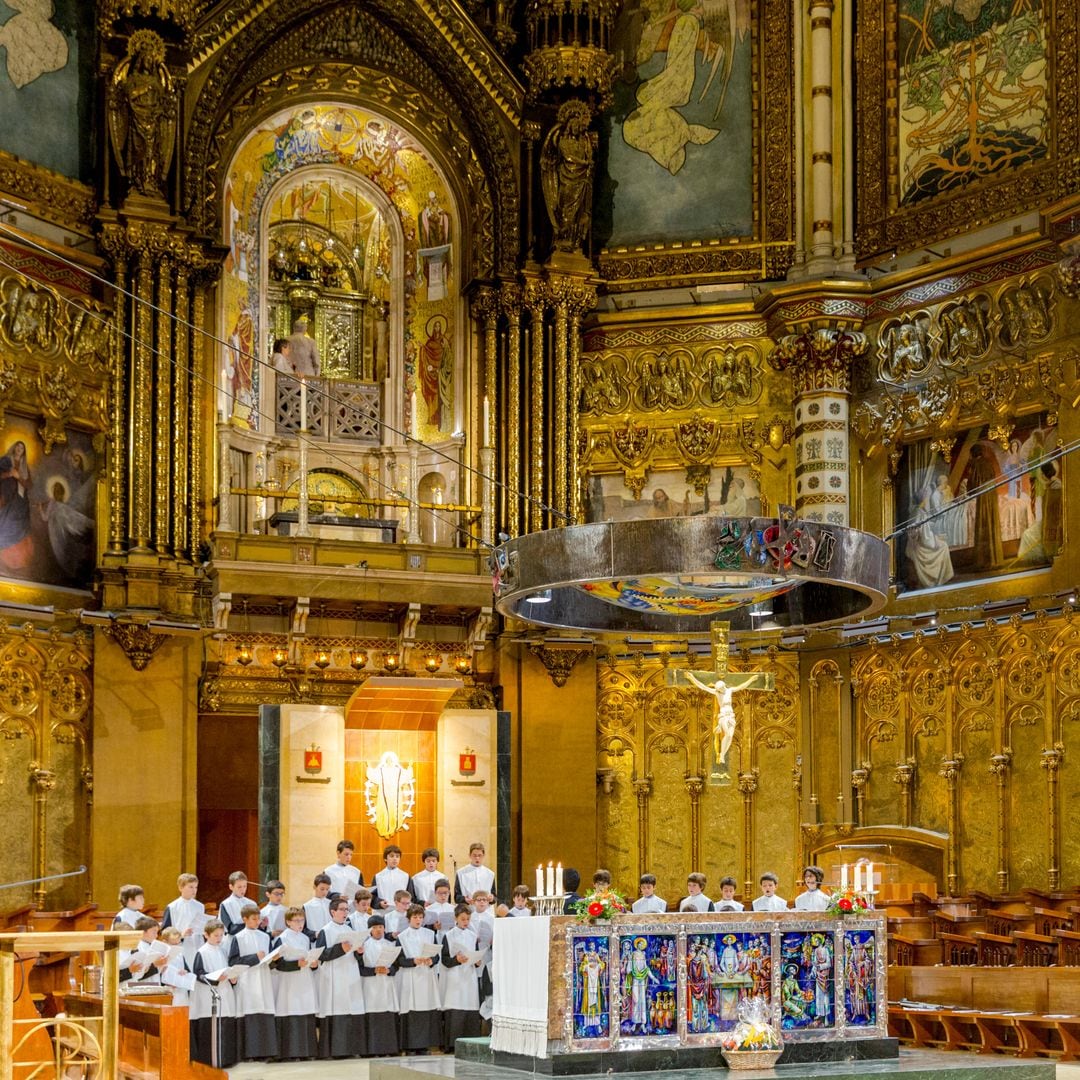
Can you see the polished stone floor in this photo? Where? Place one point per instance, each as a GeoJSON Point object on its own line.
{"type": "Point", "coordinates": [913, 1065]}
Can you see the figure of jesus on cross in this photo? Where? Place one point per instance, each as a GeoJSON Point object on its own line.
{"type": "Point", "coordinates": [721, 684]}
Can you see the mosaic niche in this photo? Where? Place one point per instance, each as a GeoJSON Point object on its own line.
{"type": "Point", "coordinates": [806, 981]}
{"type": "Point", "coordinates": [648, 973]}
{"type": "Point", "coordinates": [592, 1004]}
{"type": "Point", "coordinates": [721, 971]}
{"type": "Point", "coordinates": [860, 966]}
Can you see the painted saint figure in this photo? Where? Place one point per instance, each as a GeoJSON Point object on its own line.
{"type": "Point", "coordinates": [593, 998]}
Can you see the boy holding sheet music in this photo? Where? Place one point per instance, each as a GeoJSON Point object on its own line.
{"type": "Point", "coordinates": [460, 980]}
{"type": "Point", "coordinates": [213, 1037]}
{"type": "Point", "coordinates": [439, 914]}
{"type": "Point", "coordinates": [295, 1002]}
{"type": "Point", "coordinates": [342, 1023]}
{"type": "Point", "coordinates": [175, 974]}
{"type": "Point", "coordinates": [229, 909]}
{"type": "Point", "coordinates": [418, 985]}
{"type": "Point", "coordinates": [378, 966]}
{"type": "Point", "coordinates": [144, 963]}
{"type": "Point", "coordinates": [188, 915]}
{"type": "Point", "coordinates": [361, 913]}
{"type": "Point", "coordinates": [256, 1023]}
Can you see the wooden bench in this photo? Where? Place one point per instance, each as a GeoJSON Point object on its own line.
{"type": "Point", "coordinates": [959, 950]}
{"type": "Point", "coordinates": [995, 950]}
{"type": "Point", "coordinates": [1068, 948]}
{"type": "Point", "coordinates": [1035, 950]}
{"type": "Point", "coordinates": [1016, 903]}
{"type": "Point", "coordinates": [946, 923]}
{"type": "Point", "coordinates": [916, 926]}
{"type": "Point", "coordinates": [1003, 923]}
{"type": "Point", "coordinates": [1047, 920]}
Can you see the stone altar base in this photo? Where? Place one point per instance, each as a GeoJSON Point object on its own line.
{"type": "Point", "coordinates": [674, 1058]}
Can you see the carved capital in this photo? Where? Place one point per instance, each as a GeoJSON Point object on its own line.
{"type": "Point", "coordinates": [1000, 764]}
{"type": "Point", "coordinates": [138, 641]}
{"type": "Point", "coordinates": [859, 778]}
{"type": "Point", "coordinates": [903, 774]}
{"type": "Point", "coordinates": [950, 769]}
{"type": "Point", "coordinates": [1051, 758]}
{"type": "Point", "coordinates": [558, 661]}
{"type": "Point", "coordinates": [642, 788]}
{"type": "Point", "coordinates": [485, 305]}
{"type": "Point", "coordinates": [748, 782]}
{"type": "Point", "coordinates": [43, 779]}
{"type": "Point", "coordinates": [606, 779]}
{"type": "Point", "coordinates": [694, 787]}
{"type": "Point", "coordinates": [820, 359]}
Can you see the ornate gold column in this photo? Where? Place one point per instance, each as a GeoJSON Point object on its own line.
{"type": "Point", "coordinates": [694, 787]}
{"type": "Point", "coordinates": [534, 292]}
{"type": "Point", "coordinates": [163, 416]}
{"type": "Point", "coordinates": [559, 291]}
{"type": "Point", "coordinates": [904, 778]}
{"type": "Point", "coordinates": [1050, 760]}
{"type": "Point", "coordinates": [950, 771]}
{"type": "Point", "coordinates": [821, 131]}
{"type": "Point", "coordinates": [181, 382]}
{"type": "Point", "coordinates": [747, 786]}
{"type": "Point", "coordinates": [142, 385]}
{"type": "Point", "coordinates": [999, 768]}
{"type": "Point", "coordinates": [642, 789]}
{"type": "Point", "coordinates": [117, 458]}
{"type": "Point", "coordinates": [584, 299]}
{"type": "Point", "coordinates": [510, 295]}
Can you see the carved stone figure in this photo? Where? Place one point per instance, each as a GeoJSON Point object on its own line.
{"type": "Point", "coordinates": [730, 378]}
{"type": "Point", "coordinates": [663, 383]}
{"type": "Point", "coordinates": [964, 330]}
{"type": "Point", "coordinates": [142, 114]}
{"type": "Point", "coordinates": [1025, 314]}
{"type": "Point", "coordinates": [566, 173]}
{"type": "Point", "coordinates": [303, 351]}
{"type": "Point", "coordinates": [905, 352]}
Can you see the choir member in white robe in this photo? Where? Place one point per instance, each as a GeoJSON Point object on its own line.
{"type": "Point", "coordinates": [648, 903]}
{"type": "Point", "coordinates": [229, 909]}
{"type": "Point", "coordinates": [476, 877]}
{"type": "Point", "coordinates": [132, 900]}
{"type": "Point", "coordinates": [459, 982]}
{"type": "Point", "coordinates": [295, 1000]}
{"type": "Point", "coordinates": [423, 883]}
{"type": "Point", "coordinates": [439, 914]}
{"type": "Point", "coordinates": [342, 1020]}
{"type": "Point", "coordinates": [188, 915]}
{"type": "Point", "coordinates": [317, 909]}
{"type": "Point", "coordinates": [390, 879]}
{"type": "Point", "coordinates": [144, 963]}
{"type": "Point", "coordinates": [695, 900]}
{"type": "Point", "coordinates": [175, 975]}
{"type": "Point", "coordinates": [418, 986]}
{"type": "Point", "coordinates": [273, 911]}
{"type": "Point", "coordinates": [345, 878]}
{"type": "Point", "coordinates": [768, 900]}
{"type": "Point", "coordinates": [213, 1038]}
{"type": "Point", "coordinates": [483, 922]}
{"type": "Point", "coordinates": [380, 992]}
{"type": "Point", "coordinates": [727, 901]}
{"type": "Point", "coordinates": [361, 912]}
{"type": "Point", "coordinates": [256, 1022]}
{"type": "Point", "coordinates": [813, 899]}
{"type": "Point", "coordinates": [397, 918]}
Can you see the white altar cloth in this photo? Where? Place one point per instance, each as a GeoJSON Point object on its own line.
{"type": "Point", "coordinates": [519, 1022]}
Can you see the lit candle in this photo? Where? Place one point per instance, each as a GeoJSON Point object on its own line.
{"type": "Point", "coordinates": [550, 879]}
{"type": "Point", "coordinates": [414, 424]}
{"type": "Point", "coordinates": [540, 881]}
{"type": "Point", "coordinates": [870, 878]}
{"type": "Point", "coordinates": [558, 879]}
{"type": "Point", "coordinates": [484, 439]}
{"type": "Point", "coordinates": [303, 404]}
{"type": "Point", "coordinates": [843, 876]}
{"type": "Point", "coordinates": [858, 878]}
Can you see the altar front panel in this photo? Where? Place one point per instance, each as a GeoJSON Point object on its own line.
{"type": "Point", "coordinates": [653, 981]}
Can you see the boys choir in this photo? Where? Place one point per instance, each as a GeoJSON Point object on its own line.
{"type": "Point", "coordinates": [357, 971]}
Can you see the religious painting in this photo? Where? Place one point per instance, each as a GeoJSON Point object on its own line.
{"type": "Point", "coordinates": [806, 981]}
{"type": "Point", "coordinates": [731, 491]}
{"type": "Point", "coordinates": [723, 970]}
{"type": "Point", "coordinates": [648, 981]}
{"type": "Point", "coordinates": [973, 91]}
{"type": "Point", "coordinates": [47, 82]}
{"type": "Point", "coordinates": [995, 506]}
{"type": "Point", "coordinates": [679, 145]}
{"type": "Point", "coordinates": [48, 507]}
{"type": "Point", "coordinates": [592, 987]}
{"type": "Point", "coordinates": [860, 982]}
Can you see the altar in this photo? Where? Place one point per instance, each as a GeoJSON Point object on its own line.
{"type": "Point", "coordinates": [673, 983]}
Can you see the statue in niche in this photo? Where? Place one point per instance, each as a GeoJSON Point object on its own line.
{"type": "Point", "coordinates": [303, 351]}
{"type": "Point", "coordinates": [904, 351]}
{"type": "Point", "coordinates": [142, 114]}
{"type": "Point", "coordinates": [730, 378]}
{"type": "Point", "coordinates": [566, 174]}
{"type": "Point", "coordinates": [433, 254]}
{"type": "Point", "coordinates": [965, 332]}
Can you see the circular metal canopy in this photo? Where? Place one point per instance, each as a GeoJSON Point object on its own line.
{"type": "Point", "coordinates": [677, 575]}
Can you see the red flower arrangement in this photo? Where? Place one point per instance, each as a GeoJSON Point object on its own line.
{"type": "Point", "coordinates": [848, 902]}
{"type": "Point", "coordinates": [600, 904]}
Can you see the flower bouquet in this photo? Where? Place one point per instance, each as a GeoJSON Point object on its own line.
{"type": "Point", "coordinates": [754, 1042]}
{"type": "Point", "coordinates": [600, 904]}
{"type": "Point", "coordinates": [848, 902]}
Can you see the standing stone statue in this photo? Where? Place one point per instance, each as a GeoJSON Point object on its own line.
{"type": "Point", "coordinates": [142, 114]}
{"type": "Point", "coordinates": [567, 160]}
{"type": "Point", "coordinates": [303, 351]}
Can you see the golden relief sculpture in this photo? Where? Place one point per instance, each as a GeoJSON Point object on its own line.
{"type": "Point", "coordinates": [567, 163]}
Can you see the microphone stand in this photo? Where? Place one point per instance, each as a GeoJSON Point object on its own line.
{"type": "Point", "coordinates": [215, 1026]}
{"type": "Point", "coordinates": [39, 880]}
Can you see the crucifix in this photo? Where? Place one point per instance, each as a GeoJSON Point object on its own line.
{"type": "Point", "coordinates": [721, 684]}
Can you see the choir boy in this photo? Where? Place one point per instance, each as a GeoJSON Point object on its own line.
{"type": "Point", "coordinates": [188, 915]}
{"type": "Point", "coordinates": [483, 922]}
{"type": "Point", "coordinates": [727, 901]}
{"type": "Point", "coordinates": [361, 912]}
{"type": "Point", "coordinates": [571, 883]}
{"type": "Point", "coordinates": [423, 884]}
{"type": "Point", "coordinates": [256, 1023]}
{"type": "Point", "coordinates": [380, 992]}
{"type": "Point", "coordinates": [229, 909]}
{"type": "Point", "coordinates": [520, 899]}
{"type": "Point", "coordinates": [398, 918]}
{"type": "Point", "coordinates": [601, 880]}
{"type": "Point", "coordinates": [294, 990]}
{"type": "Point", "coordinates": [175, 974]}
{"type": "Point", "coordinates": [144, 963]}
{"type": "Point", "coordinates": [390, 879]}
{"type": "Point", "coordinates": [132, 900]}
{"type": "Point", "coordinates": [476, 876]}
{"type": "Point", "coordinates": [648, 903]}
{"type": "Point", "coordinates": [345, 879]}
{"type": "Point", "coordinates": [458, 982]}
{"type": "Point", "coordinates": [695, 899]}
{"type": "Point", "coordinates": [273, 913]}
{"type": "Point", "coordinates": [440, 912]}
{"type": "Point", "coordinates": [342, 1023]}
{"type": "Point", "coordinates": [418, 986]}
{"type": "Point", "coordinates": [768, 900]}
{"type": "Point", "coordinates": [213, 1048]}
{"type": "Point", "coordinates": [814, 899]}
{"type": "Point", "coordinates": [317, 909]}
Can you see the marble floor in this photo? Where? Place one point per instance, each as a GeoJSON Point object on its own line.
{"type": "Point", "coordinates": [445, 1066]}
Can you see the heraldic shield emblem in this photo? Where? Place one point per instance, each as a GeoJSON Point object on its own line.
{"type": "Point", "coordinates": [389, 794]}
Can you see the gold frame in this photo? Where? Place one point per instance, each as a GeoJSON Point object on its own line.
{"type": "Point", "coordinates": [884, 226]}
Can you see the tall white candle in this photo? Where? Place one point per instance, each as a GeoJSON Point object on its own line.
{"type": "Point", "coordinates": [303, 404]}
{"type": "Point", "coordinates": [858, 878]}
{"type": "Point", "coordinates": [540, 881]}
{"type": "Point", "coordinates": [550, 880]}
{"type": "Point", "coordinates": [414, 424]}
{"type": "Point", "coordinates": [558, 879]}
{"type": "Point", "coordinates": [843, 876]}
{"type": "Point", "coordinates": [870, 878]}
{"type": "Point", "coordinates": [485, 437]}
